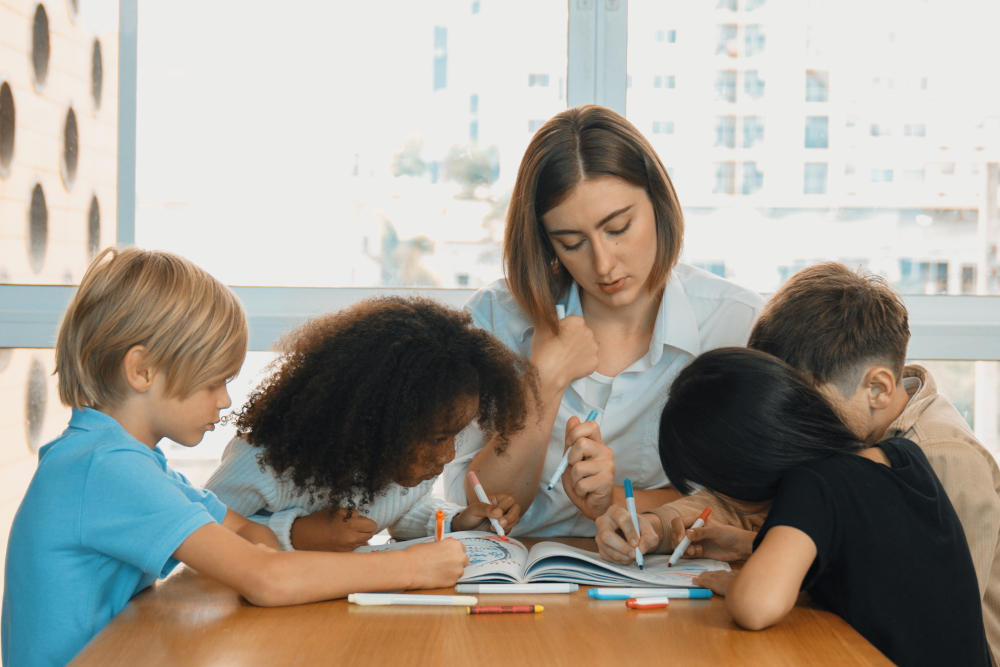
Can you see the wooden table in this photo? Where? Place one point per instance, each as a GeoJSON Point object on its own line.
{"type": "Point", "coordinates": [189, 619]}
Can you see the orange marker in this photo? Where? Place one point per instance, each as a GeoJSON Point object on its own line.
{"type": "Point", "coordinates": [439, 532]}
{"type": "Point", "coordinates": [686, 542]}
{"type": "Point", "coordinates": [506, 609]}
{"type": "Point", "coordinates": [648, 603]}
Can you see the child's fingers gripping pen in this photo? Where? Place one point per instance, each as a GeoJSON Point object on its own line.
{"type": "Point", "coordinates": [564, 462]}
{"type": "Point", "coordinates": [686, 542]}
{"type": "Point", "coordinates": [481, 494]}
{"type": "Point", "coordinates": [630, 504]}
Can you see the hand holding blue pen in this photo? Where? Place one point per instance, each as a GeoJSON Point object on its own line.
{"type": "Point", "coordinates": [630, 504]}
{"type": "Point", "coordinates": [564, 462]}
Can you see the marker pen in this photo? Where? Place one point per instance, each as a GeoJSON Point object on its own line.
{"type": "Point", "coordinates": [506, 609]}
{"type": "Point", "coordinates": [630, 504]}
{"type": "Point", "coordinates": [647, 603]}
{"type": "Point", "coordinates": [481, 494]}
{"type": "Point", "coordinates": [439, 529]}
{"type": "Point", "coordinates": [565, 459]}
{"type": "Point", "coordinates": [368, 599]}
{"type": "Point", "coordinates": [626, 593]}
{"type": "Point", "coordinates": [686, 542]}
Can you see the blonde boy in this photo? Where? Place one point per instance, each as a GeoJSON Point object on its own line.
{"type": "Point", "coordinates": [143, 353]}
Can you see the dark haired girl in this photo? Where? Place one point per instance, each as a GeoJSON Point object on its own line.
{"type": "Point", "coordinates": [867, 531]}
{"type": "Point", "coordinates": [359, 417]}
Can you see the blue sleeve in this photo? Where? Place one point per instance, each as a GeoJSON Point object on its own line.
{"type": "Point", "coordinates": [137, 512]}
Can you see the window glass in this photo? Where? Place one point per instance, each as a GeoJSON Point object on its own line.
{"type": "Point", "coordinates": [867, 149]}
{"type": "Point", "coordinates": [339, 144]}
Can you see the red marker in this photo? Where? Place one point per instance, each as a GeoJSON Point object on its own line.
{"type": "Point", "coordinates": [686, 542]}
{"type": "Point", "coordinates": [648, 603]}
{"type": "Point", "coordinates": [506, 609]}
{"type": "Point", "coordinates": [439, 531]}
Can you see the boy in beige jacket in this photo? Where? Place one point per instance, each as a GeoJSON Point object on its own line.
{"type": "Point", "coordinates": [848, 333]}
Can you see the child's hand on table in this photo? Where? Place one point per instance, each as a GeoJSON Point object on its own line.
{"type": "Point", "coordinates": [713, 540]}
{"type": "Point", "coordinates": [328, 530]}
{"type": "Point", "coordinates": [436, 564]}
{"type": "Point", "coordinates": [616, 537]}
{"type": "Point", "coordinates": [504, 509]}
{"type": "Point", "coordinates": [589, 479]}
{"type": "Point", "coordinates": [717, 581]}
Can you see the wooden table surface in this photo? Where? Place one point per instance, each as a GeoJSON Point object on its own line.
{"type": "Point", "coordinates": [189, 619]}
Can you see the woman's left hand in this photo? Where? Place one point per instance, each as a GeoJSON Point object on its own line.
{"type": "Point", "coordinates": [589, 480]}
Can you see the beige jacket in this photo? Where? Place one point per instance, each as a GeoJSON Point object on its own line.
{"type": "Point", "coordinates": [968, 473]}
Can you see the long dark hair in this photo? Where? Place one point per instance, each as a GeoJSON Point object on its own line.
{"type": "Point", "coordinates": [738, 419]}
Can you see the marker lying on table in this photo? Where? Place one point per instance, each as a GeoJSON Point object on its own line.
{"type": "Point", "coordinates": [481, 494]}
{"type": "Point", "coordinates": [370, 599]}
{"type": "Point", "coordinates": [630, 504]}
{"type": "Point", "coordinates": [439, 527]}
{"type": "Point", "coordinates": [565, 459]}
{"type": "Point", "coordinates": [506, 609]}
{"type": "Point", "coordinates": [686, 542]}
{"type": "Point", "coordinates": [516, 588]}
{"type": "Point", "coordinates": [627, 593]}
{"type": "Point", "coordinates": [647, 603]}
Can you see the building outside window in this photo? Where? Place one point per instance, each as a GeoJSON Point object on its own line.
{"type": "Point", "coordinates": [817, 132]}
{"type": "Point", "coordinates": [814, 178]}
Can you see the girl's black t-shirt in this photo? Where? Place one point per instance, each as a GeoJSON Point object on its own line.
{"type": "Point", "coordinates": [891, 555]}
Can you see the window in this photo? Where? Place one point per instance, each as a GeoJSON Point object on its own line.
{"type": "Point", "coordinates": [880, 130]}
{"type": "Point", "coordinates": [731, 5]}
{"type": "Point", "coordinates": [473, 103]}
{"type": "Point", "coordinates": [753, 130]}
{"type": "Point", "coordinates": [817, 86]}
{"type": "Point", "coordinates": [816, 131]}
{"type": "Point", "coordinates": [538, 80]}
{"type": "Point", "coordinates": [753, 85]}
{"type": "Point", "coordinates": [668, 36]}
{"type": "Point", "coordinates": [753, 178]}
{"type": "Point", "coordinates": [914, 130]}
{"type": "Point", "coordinates": [754, 36]}
{"type": "Point", "coordinates": [664, 81]}
{"type": "Point", "coordinates": [663, 127]}
{"type": "Point", "coordinates": [726, 42]}
{"type": "Point", "coordinates": [725, 178]}
{"type": "Point", "coordinates": [725, 131]}
{"type": "Point", "coordinates": [882, 175]}
{"type": "Point", "coordinates": [725, 85]}
{"type": "Point", "coordinates": [814, 178]}
{"type": "Point", "coordinates": [440, 57]}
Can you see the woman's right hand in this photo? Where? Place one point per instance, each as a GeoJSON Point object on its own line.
{"type": "Point", "coordinates": [437, 564]}
{"type": "Point", "coordinates": [566, 355]}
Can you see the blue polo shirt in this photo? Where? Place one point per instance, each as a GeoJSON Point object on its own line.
{"type": "Point", "coordinates": [98, 524]}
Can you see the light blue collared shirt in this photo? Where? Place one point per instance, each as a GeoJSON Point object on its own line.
{"type": "Point", "coordinates": [699, 311]}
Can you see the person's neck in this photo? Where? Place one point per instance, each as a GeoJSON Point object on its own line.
{"type": "Point", "coordinates": [886, 417]}
{"type": "Point", "coordinates": [130, 417]}
{"type": "Point", "coordinates": [636, 318]}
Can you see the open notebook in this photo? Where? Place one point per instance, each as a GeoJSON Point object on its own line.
{"type": "Point", "coordinates": [492, 559]}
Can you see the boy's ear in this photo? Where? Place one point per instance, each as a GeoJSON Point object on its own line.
{"type": "Point", "coordinates": [138, 373]}
{"type": "Point", "coordinates": [880, 383]}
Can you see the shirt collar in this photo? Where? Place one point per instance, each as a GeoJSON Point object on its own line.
{"type": "Point", "coordinates": [676, 325]}
{"type": "Point", "coordinates": [89, 419]}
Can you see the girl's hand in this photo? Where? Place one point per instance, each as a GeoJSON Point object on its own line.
{"type": "Point", "coordinates": [713, 540]}
{"type": "Point", "coordinates": [564, 356]}
{"type": "Point", "coordinates": [328, 530]}
{"type": "Point", "coordinates": [436, 564]}
{"type": "Point", "coordinates": [717, 581]}
{"type": "Point", "coordinates": [590, 477]}
{"type": "Point", "coordinates": [475, 517]}
{"type": "Point", "coordinates": [617, 539]}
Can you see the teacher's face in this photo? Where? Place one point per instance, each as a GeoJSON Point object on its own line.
{"type": "Point", "coordinates": [604, 233]}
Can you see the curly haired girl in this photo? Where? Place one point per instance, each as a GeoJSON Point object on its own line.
{"type": "Point", "coordinates": [359, 416]}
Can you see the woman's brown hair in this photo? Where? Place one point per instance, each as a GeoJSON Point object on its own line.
{"type": "Point", "coordinates": [574, 145]}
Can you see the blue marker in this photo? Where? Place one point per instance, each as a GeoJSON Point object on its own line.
{"type": "Point", "coordinates": [630, 504]}
{"type": "Point", "coordinates": [565, 459]}
{"type": "Point", "coordinates": [629, 593]}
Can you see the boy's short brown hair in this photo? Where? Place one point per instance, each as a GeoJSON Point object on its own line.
{"type": "Point", "coordinates": [829, 322]}
{"type": "Point", "coordinates": [192, 325]}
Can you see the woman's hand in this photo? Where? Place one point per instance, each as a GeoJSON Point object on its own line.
{"type": "Point", "coordinates": [616, 537]}
{"type": "Point", "coordinates": [713, 540]}
{"type": "Point", "coordinates": [329, 530]}
{"type": "Point", "coordinates": [566, 355]}
{"type": "Point", "coordinates": [590, 477]}
{"type": "Point", "coordinates": [504, 509]}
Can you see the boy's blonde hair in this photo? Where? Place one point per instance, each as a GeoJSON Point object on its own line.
{"type": "Point", "coordinates": [192, 325]}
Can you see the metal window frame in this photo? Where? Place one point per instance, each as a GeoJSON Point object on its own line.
{"type": "Point", "coordinates": [943, 327]}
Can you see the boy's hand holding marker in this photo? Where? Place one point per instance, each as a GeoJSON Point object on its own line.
{"type": "Point", "coordinates": [617, 539]}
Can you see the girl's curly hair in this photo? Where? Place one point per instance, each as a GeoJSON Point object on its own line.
{"type": "Point", "coordinates": [354, 392]}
